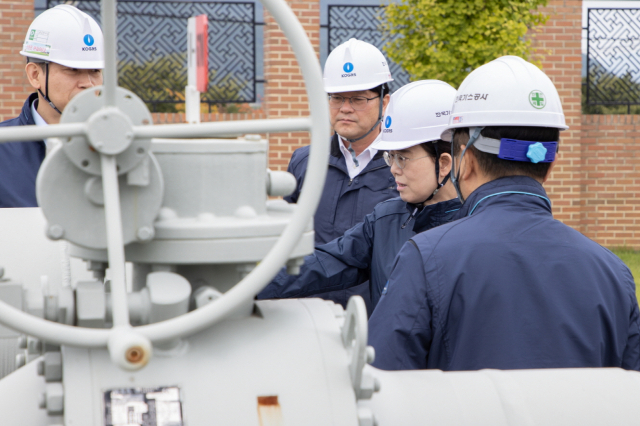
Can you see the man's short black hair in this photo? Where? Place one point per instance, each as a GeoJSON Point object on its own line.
{"type": "Point", "coordinates": [40, 63]}
{"type": "Point", "coordinates": [495, 167]}
{"type": "Point", "coordinates": [385, 89]}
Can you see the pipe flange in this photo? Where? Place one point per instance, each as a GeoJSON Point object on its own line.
{"type": "Point", "coordinates": [110, 132]}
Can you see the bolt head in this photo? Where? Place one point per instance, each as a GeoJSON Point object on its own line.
{"type": "Point", "coordinates": [145, 233]}
{"type": "Point", "coordinates": [370, 354]}
{"type": "Point", "coordinates": [55, 232]}
{"type": "Point", "coordinates": [42, 401]}
{"type": "Point", "coordinates": [22, 342]}
{"type": "Point", "coordinates": [21, 360]}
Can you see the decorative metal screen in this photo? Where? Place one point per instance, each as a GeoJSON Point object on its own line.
{"type": "Point", "coordinates": [152, 49]}
{"type": "Point", "coordinates": [362, 22]}
{"type": "Point", "coordinates": [613, 57]}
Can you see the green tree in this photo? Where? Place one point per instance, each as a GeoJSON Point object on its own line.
{"type": "Point", "coordinates": [446, 39]}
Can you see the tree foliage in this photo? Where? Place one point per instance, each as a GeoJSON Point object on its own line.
{"type": "Point", "coordinates": [446, 39]}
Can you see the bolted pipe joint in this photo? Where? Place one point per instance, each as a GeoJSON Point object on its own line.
{"type": "Point", "coordinates": [128, 350]}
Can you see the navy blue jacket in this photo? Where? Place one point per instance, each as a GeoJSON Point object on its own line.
{"type": "Point", "coordinates": [365, 252]}
{"type": "Point", "coordinates": [19, 164]}
{"type": "Point", "coordinates": [507, 287]}
{"type": "Point", "coordinates": [344, 201]}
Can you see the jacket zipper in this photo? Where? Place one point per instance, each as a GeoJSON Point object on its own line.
{"type": "Point", "coordinates": [409, 218]}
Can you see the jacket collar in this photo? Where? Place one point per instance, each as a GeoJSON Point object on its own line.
{"type": "Point", "coordinates": [503, 189]}
{"type": "Point", "coordinates": [336, 158]}
{"type": "Point", "coordinates": [433, 215]}
{"type": "Point", "coordinates": [26, 117]}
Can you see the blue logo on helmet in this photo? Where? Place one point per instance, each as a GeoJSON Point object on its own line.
{"type": "Point", "coordinates": [88, 40]}
{"type": "Point", "coordinates": [348, 67]}
{"type": "Point", "coordinates": [387, 122]}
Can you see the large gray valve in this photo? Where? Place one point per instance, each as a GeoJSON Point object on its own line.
{"type": "Point", "coordinates": [193, 217]}
{"type": "Point", "coordinates": [106, 165]}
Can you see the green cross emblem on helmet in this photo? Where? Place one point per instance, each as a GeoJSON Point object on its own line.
{"type": "Point", "coordinates": [537, 99]}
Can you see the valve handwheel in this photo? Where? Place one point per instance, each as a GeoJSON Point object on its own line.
{"type": "Point", "coordinates": [130, 347]}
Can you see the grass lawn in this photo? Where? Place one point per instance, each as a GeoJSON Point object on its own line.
{"type": "Point", "coordinates": [632, 259]}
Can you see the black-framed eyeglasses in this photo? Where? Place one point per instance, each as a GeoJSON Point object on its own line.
{"type": "Point", "coordinates": [399, 160]}
{"type": "Point", "coordinates": [358, 103]}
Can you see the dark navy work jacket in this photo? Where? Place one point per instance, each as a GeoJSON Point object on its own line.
{"type": "Point", "coordinates": [365, 252]}
{"type": "Point", "coordinates": [506, 287]}
{"type": "Point", "coordinates": [344, 202]}
{"type": "Point", "coordinates": [19, 164]}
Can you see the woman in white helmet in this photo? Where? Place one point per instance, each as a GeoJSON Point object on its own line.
{"type": "Point", "coordinates": [64, 51]}
{"type": "Point", "coordinates": [420, 163]}
{"type": "Point", "coordinates": [356, 77]}
{"type": "Point", "coordinates": [506, 286]}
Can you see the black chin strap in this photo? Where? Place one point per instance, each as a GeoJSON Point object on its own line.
{"type": "Point", "coordinates": [377, 123]}
{"type": "Point", "coordinates": [46, 89]}
{"type": "Point", "coordinates": [444, 181]}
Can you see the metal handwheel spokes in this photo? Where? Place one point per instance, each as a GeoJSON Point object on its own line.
{"type": "Point", "coordinates": [110, 133]}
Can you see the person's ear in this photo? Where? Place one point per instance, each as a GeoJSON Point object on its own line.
{"type": "Point", "coordinates": [34, 73]}
{"type": "Point", "coordinates": [469, 164]}
{"type": "Point", "coordinates": [445, 165]}
{"type": "Point", "coordinates": [385, 102]}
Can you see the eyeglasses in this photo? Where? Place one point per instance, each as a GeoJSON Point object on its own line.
{"type": "Point", "coordinates": [359, 103]}
{"type": "Point", "coordinates": [400, 161]}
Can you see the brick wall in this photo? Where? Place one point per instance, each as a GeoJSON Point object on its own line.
{"type": "Point", "coordinates": [285, 94]}
{"type": "Point", "coordinates": [596, 179]}
{"type": "Point", "coordinates": [15, 18]}
{"type": "Point", "coordinates": [174, 118]}
{"type": "Point", "coordinates": [610, 179]}
{"type": "Point", "coordinates": [558, 49]}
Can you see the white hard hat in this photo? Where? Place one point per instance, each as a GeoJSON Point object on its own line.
{"type": "Point", "coordinates": [67, 36]}
{"type": "Point", "coordinates": [353, 66]}
{"type": "Point", "coordinates": [418, 112]}
{"type": "Point", "coordinates": [507, 91]}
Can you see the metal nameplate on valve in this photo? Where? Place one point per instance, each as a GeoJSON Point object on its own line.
{"type": "Point", "coordinates": [159, 406]}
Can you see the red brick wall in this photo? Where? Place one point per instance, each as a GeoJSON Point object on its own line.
{"type": "Point", "coordinates": [173, 118]}
{"type": "Point", "coordinates": [285, 94]}
{"type": "Point", "coordinates": [558, 49]}
{"type": "Point", "coordinates": [15, 18]}
{"type": "Point", "coordinates": [610, 179]}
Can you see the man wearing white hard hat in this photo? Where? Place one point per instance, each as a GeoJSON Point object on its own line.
{"type": "Point", "coordinates": [356, 77]}
{"type": "Point", "coordinates": [506, 286]}
{"type": "Point", "coordinates": [420, 163]}
{"type": "Point", "coordinates": [64, 51]}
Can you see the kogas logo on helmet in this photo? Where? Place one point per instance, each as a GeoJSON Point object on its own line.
{"type": "Point", "coordinates": [348, 69]}
{"type": "Point", "coordinates": [88, 41]}
{"type": "Point", "coordinates": [387, 124]}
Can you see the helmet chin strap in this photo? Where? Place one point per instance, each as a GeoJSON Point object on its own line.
{"type": "Point", "coordinates": [440, 184]}
{"type": "Point", "coordinates": [46, 89]}
{"type": "Point", "coordinates": [376, 124]}
{"type": "Point", "coordinates": [474, 133]}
